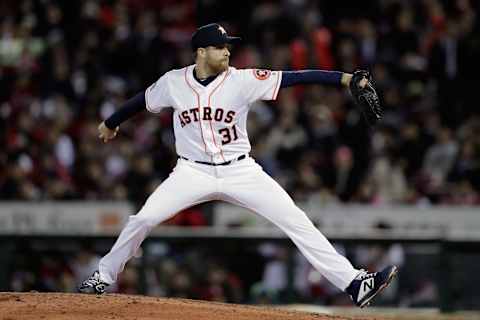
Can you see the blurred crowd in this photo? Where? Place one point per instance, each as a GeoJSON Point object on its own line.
{"type": "Point", "coordinates": [66, 65]}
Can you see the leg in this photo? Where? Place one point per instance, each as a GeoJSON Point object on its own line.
{"type": "Point", "coordinates": [184, 188]}
{"type": "Point", "coordinates": [252, 188]}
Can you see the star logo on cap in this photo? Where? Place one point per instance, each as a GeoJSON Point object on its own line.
{"type": "Point", "coordinates": [222, 30]}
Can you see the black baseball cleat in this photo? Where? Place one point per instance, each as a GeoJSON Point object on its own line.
{"type": "Point", "coordinates": [368, 284]}
{"type": "Point", "coordinates": [93, 285]}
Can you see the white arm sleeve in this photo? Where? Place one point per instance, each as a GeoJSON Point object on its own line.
{"type": "Point", "coordinates": [260, 84]}
{"type": "Point", "coordinates": [157, 96]}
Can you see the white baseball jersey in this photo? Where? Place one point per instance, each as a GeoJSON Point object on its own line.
{"type": "Point", "coordinates": [210, 122]}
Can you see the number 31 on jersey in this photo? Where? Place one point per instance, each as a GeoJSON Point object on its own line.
{"type": "Point", "coordinates": [228, 134]}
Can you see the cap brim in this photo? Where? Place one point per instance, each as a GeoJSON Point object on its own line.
{"type": "Point", "coordinates": [233, 40]}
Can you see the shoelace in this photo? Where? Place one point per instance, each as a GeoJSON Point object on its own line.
{"type": "Point", "coordinates": [92, 281]}
{"type": "Point", "coordinates": [365, 275]}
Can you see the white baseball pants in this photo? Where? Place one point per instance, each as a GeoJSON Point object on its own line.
{"type": "Point", "coordinates": [243, 183]}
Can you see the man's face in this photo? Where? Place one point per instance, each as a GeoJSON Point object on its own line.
{"type": "Point", "coordinates": [218, 57]}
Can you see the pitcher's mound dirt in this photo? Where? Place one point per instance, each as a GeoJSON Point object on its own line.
{"type": "Point", "coordinates": [56, 306]}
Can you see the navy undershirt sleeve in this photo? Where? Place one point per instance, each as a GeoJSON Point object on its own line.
{"type": "Point", "coordinates": [290, 78]}
{"type": "Point", "coordinates": [127, 111]}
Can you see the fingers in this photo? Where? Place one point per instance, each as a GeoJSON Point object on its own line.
{"type": "Point", "coordinates": [103, 137]}
{"type": "Point", "coordinates": [106, 134]}
{"type": "Point", "coordinates": [106, 137]}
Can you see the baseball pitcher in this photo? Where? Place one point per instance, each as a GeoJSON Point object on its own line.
{"type": "Point", "coordinates": [211, 101]}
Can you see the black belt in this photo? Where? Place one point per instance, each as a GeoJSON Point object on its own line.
{"type": "Point", "coordinates": [243, 156]}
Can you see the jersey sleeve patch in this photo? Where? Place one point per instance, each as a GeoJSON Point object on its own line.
{"type": "Point", "coordinates": [261, 74]}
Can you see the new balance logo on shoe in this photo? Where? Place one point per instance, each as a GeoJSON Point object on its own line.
{"type": "Point", "coordinates": [365, 287]}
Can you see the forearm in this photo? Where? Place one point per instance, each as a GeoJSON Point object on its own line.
{"type": "Point", "coordinates": [132, 107]}
{"type": "Point", "coordinates": [291, 78]}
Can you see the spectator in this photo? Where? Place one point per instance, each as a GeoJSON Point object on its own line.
{"type": "Point", "coordinates": [439, 158]}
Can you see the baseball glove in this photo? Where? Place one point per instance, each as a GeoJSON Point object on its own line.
{"type": "Point", "coordinates": [366, 98]}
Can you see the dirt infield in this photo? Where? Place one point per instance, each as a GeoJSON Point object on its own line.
{"type": "Point", "coordinates": [56, 306]}
{"type": "Point", "coordinates": [63, 306]}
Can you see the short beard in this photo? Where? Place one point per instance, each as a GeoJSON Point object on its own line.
{"type": "Point", "coordinates": [218, 68]}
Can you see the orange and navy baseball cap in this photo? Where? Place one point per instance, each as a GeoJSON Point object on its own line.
{"type": "Point", "coordinates": [211, 34]}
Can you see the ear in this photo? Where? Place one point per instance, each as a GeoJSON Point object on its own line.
{"type": "Point", "coordinates": [201, 52]}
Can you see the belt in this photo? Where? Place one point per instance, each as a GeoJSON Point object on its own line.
{"type": "Point", "coordinates": [243, 156]}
